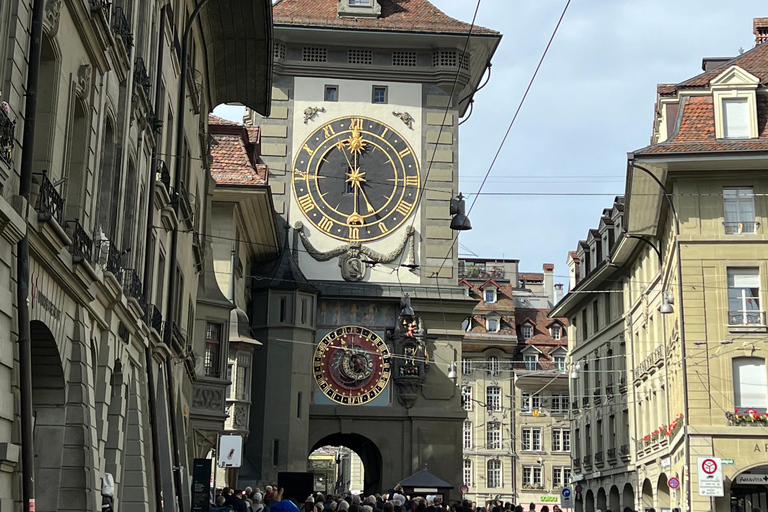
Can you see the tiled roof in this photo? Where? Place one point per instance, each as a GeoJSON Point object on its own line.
{"type": "Point", "coordinates": [232, 163]}
{"type": "Point", "coordinates": [541, 334]}
{"type": "Point", "coordinates": [666, 89]}
{"type": "Point", "coordinates": [405, 15]}
{"type": "Point", "coordinates": [531, 276]}
{"type": "Point", "coordinates": [696, 133]}
{"type": "Point", "coordinates": [754, 61]}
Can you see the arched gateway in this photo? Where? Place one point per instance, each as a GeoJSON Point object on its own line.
{"type": "Point", "coordinates": [368, 452]}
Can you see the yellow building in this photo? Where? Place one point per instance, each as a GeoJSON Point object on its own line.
{"type": "Point", "coordinates": [698, 194]}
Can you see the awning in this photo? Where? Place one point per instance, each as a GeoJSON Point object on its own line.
{"type": "Point", "coordinates": [239, 328]}
{"type": "Point", "coordinates": [238, 39]}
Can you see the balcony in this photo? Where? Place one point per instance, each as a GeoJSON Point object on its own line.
{"type": "Point", "coordinates": [122, 29]}
{"type": "Point", "coordinates": [576, 462]}
{"type": "Point", "coordinates": [575, 405]}
{"type": "Point", "coordinates": [7, 131]}
{"type": "Point", "coordinates": [596, 397]}
{"type": "Point", "coordinates": [154, 318]}
{"type": "Point", "coordinates": [757, 417]}
{"type": "Point", "coordinates": [174, 337]}
{"type": "Point", "coordinates": [82, 245]}
{"type": "Point", "coordinates": [599, 460]}
{"type": "Point", "coordinates": [611, 454]}
{"type": "Point", "coordinates": [587, 461]}
{"type": "Point", "coordinates": [50, 204]}
{"type": "Point", "coordinates": [585, 401]}
{"type": "Point", "coordinates": [746, 318]}
{"type": "Point", "coordinates": [108, 257]}
{"type": "Point", "coordinates": [163, 175]}
{"type": "Point", "coordinates": [132, 286]}
{"type": "Point", "coordinates": [141, 77]}
{"type": "Point", "coordinates": [740, 228]}
{"type": "Point", "coordinates": [624, 451]}
{"type": "Point", "coordinates": [184, 205]}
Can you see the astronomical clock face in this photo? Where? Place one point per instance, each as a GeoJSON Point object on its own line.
{"type": "Point", "coordinates": [352, 365]}
{"type": "Point", "coordinates": [356, 179]}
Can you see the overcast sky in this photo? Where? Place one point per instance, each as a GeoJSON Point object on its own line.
{"type": "Point", "coordinates": [592, 102]}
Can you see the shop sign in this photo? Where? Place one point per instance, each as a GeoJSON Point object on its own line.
{"type": "Point", "coordinates": [548, 499]}
{"type": "Point", "coordinates": [710, 477]}
{"type": "Point", "coordinates": [753, 479]}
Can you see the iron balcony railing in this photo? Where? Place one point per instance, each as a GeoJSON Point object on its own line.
{"type": "Point", "coordinates": [740, 228]}
{"type": "Point", "coordinates": [82, 244]}
{"type": "Point", "coordinates": [109, 257]}
{"type": "Point", "coordinates": [597, 397]}
{"type": "Point", "coordinates": [50, 204]}
{"type": "Point", "coordinates": [747, 317]}
{"type": "Point", "coordinates": [185, 208]}
{"type": "Point", "coordinates": [624, 450]}
{"type": "Point", "coordinates": [173, 336]}
{"type": "Point", "coordinates": [585, 401]}
{"type": "Point", "coordinates": [7, 131]}
{"type": "Point", "coordinates": [609, 389]}
{"type": "Point", "coordinates": [599, 458]}
{"type": "Point", "coordinates": [163, 174]}
{"type": "Point", "coordinates": [587, 460]}
{"type": "Point", "coordinates": [122, 29]}
{"type": "Point", "coordinates": [154, 318]}
{"type": "Point", "coordinates": [141, 77]}
{"type": "Point", "coordinates": [576, 462]}
{"type": "Point", "coordinates": [132, 286]}
{"type": "Point", "coordinates": [611, 453]}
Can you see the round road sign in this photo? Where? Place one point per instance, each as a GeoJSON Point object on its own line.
{"type": "Point", "coordinates": [673, 483]}
{"type": "Point", "coordinates": [464, 489]}
{"type": "Point", "coordinates": [565, 492]}
{"type": "Point", "coordinates": [709, 466]}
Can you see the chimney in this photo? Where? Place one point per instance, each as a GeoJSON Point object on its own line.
{"type": "Point", "coordinates": [558, 292]}
{"type": "Point", "coordinates": [549, 281]}
{"type": "Point", "coordinates": [760, 29]}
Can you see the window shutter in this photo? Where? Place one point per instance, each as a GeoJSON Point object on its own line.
{"type": "Point", "coordinates": [736, 118]}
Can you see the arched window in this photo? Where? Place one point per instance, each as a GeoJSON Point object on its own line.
{"type": "Point", "coordinates": [750, 384]}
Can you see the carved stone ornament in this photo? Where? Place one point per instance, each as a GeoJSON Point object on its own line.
{"type": "Point", "coordinates": [311, 112]}
{"type": "Point", "coordinates": [411, 362]}
{"type": "Point", "coordinates": [406, 118]}
{"type": "Point", "coordinates": [83, 80]}
{"type": "Point", "coordinates": [351, 263]}
{"type": "Point", "coordinates": [207, 398]}
{"type": "Point", "coordinates": [52, 16]}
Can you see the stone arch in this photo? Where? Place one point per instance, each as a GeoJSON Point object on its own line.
{"type": "Point", "coordinates": [49, 412]}
{"type": "Point", "coordinates": [589, 501]}
{"type": "Point", "coordinates": [647, 494]}
{"type": "Point", "coordinates": [601, 501]}
{"type": "Point", "coordinates": [662, 492]}
{"type": "Point", "coordinates": [628, 496]}
{"type": "Point", "coordinates": [614, 501]}
{"type": "Point", "coordinates": [368, 452]}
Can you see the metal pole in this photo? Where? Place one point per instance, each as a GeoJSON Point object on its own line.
{"type": "Point", "coordinates": [681, 318]}
{"type": "Point", "coordinates": [181, 105]}
{"type": "Point", "coordinates": [22, 263]}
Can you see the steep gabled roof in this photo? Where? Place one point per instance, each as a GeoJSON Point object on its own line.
{"type": "Point", "coordinates": [754, 61]}
{"type": "Point", "coordinates": [396, 15]}
{"type": "Point", "coordinates": [234, 153]}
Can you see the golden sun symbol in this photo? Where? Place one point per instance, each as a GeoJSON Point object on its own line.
{"type": "Point", "coordinates": [355, 142]}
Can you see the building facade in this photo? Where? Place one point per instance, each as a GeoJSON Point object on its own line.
{"type": "Point", "coordinates": [603, 406]}
{"type": "Point", "coordinates": [362, 149]}
{"type": "Point", "coordinates": [110, 191]}
{"type": "Point", "coordinates": [514, 386]}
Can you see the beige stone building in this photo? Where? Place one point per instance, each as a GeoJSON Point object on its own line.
{"type": "Point", "coordinates": [111, 188]}
{"type": "Point", "coordinates": [514, 386]}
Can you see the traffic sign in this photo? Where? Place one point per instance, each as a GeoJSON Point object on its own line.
{"type": "Point", "coordinates": [710, 477]}
{"type": "Point", "coordinates": [673, 483]}
{"type": "Point", "coordinates": [566, 498]}
{"type": "Point", "coordinates": [464, 489]}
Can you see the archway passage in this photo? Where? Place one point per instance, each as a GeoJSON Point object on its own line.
{"type": "Point", "coordinates": [614, 502]}
{"type": "Point", "coordinates": [663, 492]}
{"type": "Point", "coordinates": [749, 490]}
{"type": "Point", "coordinates": [601, 499]}
{"type": "Point", "coordinates": [337, 470]}
{"type": "Point", "coordinates": [369, 454]}
{"type": "Point", "coordinates": [48, 407]}
{"type": "Point", "coordinates": [647, 494]}
{"type": "Point", "coordinates": [628, 497]}
{"type": "Point", "coordinates": [589, 501]}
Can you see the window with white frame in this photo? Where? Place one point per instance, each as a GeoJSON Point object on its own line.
{"type": "Point", "coordinates": [738, 210]}
{"type": "Point", "coordinates": [531, 361]}
{"type": "Point", "coordinates": [554, 331]}
{"type": "Point", "coordinates": [560, 364]}
{"type": "Point", "coordinates": [466, 397]}
{"type": "Point", "coordinates": [561, 476]}
{"type": "Point", "coordinates": [493, 365]}
{"type": "Point", "coordinates": [529, 403]}
{"type": "Point", "coordinates": [493, 398]}
{"type": "Point", "coordinates": [527, 332]}
{"type": "Point", "coordinates": [744, 297]}
{"type": "Point", "coordinates": [493, 474]}
{"type": "Point", "coordinates": [559, 403]}
{"type": "Point", "coordinates": [736, 118]}
{"type": "Point", "coordinates": [490, 295]}
{"type": "Point", "coordinates": [750, 385]}
{"type": "Point", "coordinates": [467, 472]}
{"type": "Point", "coordinates": [532, 476]}
{"type": "Point", "coordinates": [467, 434]}
{"type": "Point", "coordinates": [466, 366]}
{"type": "Point", "coordinates": [493, 435]}
{"type": "Point", "coordinates": [561, 440]}
{"type": "Point", "coordinates": [531, 439]}
{"type": "Point", "coordinates": [492, 325]}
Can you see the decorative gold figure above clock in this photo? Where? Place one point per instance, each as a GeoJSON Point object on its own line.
{"type": "Point", "coordinates": [356, 179]}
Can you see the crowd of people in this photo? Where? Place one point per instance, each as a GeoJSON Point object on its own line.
{"type": "Point", "coordinates": [271, 500]}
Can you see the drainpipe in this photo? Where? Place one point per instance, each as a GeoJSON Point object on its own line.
{"type": "Point", "coordinates": [148, 253]}
{"type": "Point", "coordinates": [170, 306]}
{"type": "Point", "coordinates": [22, 263]}
{"type": "Point", "coordinates": [681, 320]}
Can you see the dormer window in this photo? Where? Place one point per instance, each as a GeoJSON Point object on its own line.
{"type": "Point", "coordinates": [492, 325]}
{"type": "Point", "coordinates": [490, 295]}
{"type": "Point", "coordinates": [527, 332]}
{"type": "Point", "coordinates": [554, 331]}
{"type": "Point", "coordinates": [735, 102]}
{"type": "Point", "coordinates": [359, 8]}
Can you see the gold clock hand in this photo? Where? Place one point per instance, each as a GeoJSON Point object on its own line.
{"type": "Point", "coordinates": [367, 202]}
{"type": "Point", "coordinates": [341, 148]}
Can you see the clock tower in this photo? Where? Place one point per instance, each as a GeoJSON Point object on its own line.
{"type": "Point", "coordinates": [362, 148]}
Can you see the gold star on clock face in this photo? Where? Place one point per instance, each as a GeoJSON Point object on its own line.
{"type": "Point", "coordinates": [356, 179]}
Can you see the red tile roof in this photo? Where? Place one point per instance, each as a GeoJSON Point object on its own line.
{"type": "Point", "coordinates": [405, 15]}
{"type": "Point", "coordinates": [696, 133]}
{"type": "Point", "coordinates": [541, 337]}
{"type": "Point", "coordinates": [531, 276]}
{"type": "Point", "coordinates": [754, 61]}
{"type": "Point", "coordinates": [233, 153]}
